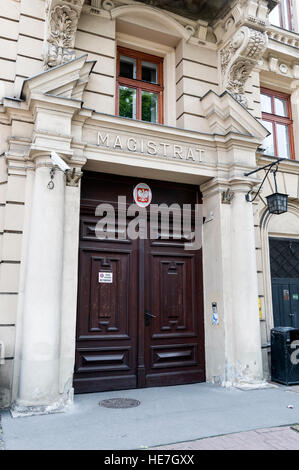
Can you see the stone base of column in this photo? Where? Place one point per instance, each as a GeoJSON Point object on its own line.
{"type": "Point", "coordinates": [63, 404]}
{"type": "Point", "coordinates": [247, 386]}
{"type": "Point", "coordinates": [244, 385]}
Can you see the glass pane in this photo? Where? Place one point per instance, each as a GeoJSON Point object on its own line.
{"type": "Point", "coordinates": [268, 144]}
{"type": "Point", "coordinates": [283, 141]}
{"type": "Point", "coordinates": [275, 17]}
{"type": "Point", "coordinates": [127, 102]}
{"type": "Point", "coordinates": [281, 108]}
{"type": "Point", "coordinates": [128, 67]}
{"type": "Point", "coordinates": [149, 72]}
{"type": "Point", "coordinates": [149, 106]}
{"type": "Point", "coordinates": [266, 103]}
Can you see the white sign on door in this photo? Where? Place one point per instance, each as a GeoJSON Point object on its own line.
{"type": "Point", "coordinates": [106, 278]}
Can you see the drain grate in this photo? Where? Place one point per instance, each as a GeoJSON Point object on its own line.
{"type": "Point", "coordinates": [120, 403]}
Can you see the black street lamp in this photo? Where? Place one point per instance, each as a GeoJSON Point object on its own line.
{"type": "Point", "coordinates": [277, 202]}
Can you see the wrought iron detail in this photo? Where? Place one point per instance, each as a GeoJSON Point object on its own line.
{"type": "Point", "coordinates": [284, 258]}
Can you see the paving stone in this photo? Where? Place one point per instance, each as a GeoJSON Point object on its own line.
{"type": "Point", "coordinates": [280, 438]}
{"type": "Point", "coordinates": [278, 429]}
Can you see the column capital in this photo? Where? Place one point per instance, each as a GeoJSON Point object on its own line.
{"type": "Point", "coordinates": [221, 186]}
{"type": "Point", "coordinates": [72, 176]}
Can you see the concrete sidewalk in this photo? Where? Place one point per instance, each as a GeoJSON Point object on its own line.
{"type": "Point", "coordinates": [166, 416]}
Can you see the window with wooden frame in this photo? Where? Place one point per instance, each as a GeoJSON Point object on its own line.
{"type": "Point", "coordinates": [139, 86]}
{"type": "Point", "coordinates": [277, 118]}
{"type": "Point", "coordinates": [282, 15]}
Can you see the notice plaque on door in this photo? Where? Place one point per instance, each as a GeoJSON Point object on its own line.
{"type": "Point", "coordinates": [286, 295]}
{"type": "Point", "coordinates": [106, 278]}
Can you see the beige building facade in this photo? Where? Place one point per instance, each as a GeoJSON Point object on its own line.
{"type": "Point", "coordinates": [75, 78]}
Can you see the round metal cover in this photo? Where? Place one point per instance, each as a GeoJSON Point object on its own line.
{"type": "Point", "coordinates": [120, 403]}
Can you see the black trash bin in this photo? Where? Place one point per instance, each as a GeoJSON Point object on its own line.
{"type": "Point", "coordinates": [285, 355]}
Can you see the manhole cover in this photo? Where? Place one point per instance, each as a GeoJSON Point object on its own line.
{"type": "Point", "coordinates": [120, 403]}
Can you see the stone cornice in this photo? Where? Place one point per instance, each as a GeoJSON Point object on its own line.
{"type": "Point", "coordinates": [283, 36]}
{"type": "Point", "coordinates": [65, 82]}
{"type": "Point", "coordinates": [282, 56]}
{"type": "Point", "coordinates": [234, 183]}
{"type": "Point", "coordinates": [287, 166]}
{"type": "Point", "coordinates": [251, 13]}
{"type": "Point", "coordinates": [225, 114]}
{"type": "Point", "coordinates": [225, 139]}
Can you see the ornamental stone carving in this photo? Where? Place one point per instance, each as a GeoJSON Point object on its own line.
{"type": "Point", "coordinates": [62, 22]}
{"type": "Point", "coordinates": [73, 178]}
{"type": "Point", "coordinates": [227, 196]}
{"type": "Point", "coordinates": [239, 57]}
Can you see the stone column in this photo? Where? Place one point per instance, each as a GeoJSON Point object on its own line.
{"type": "Point", "coordinates": [233, 347]}
{"type": "Point", "coordinates": [70, 283]}
{"type": "Point", "coordinates": [40, 350]}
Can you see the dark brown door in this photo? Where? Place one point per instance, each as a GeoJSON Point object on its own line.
{"type": "Point", "coordinates": [174, 347]}
{"type": "Point", "coordinates": [145, 326]}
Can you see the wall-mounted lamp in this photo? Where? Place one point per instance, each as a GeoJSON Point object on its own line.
{"type": "Point", "coordinates": [277, 202]}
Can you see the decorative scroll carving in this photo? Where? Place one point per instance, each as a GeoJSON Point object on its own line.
{"type": "Point", "coordinates": [227, 196]}
{"type": "Point", "coordinates": [238, 59]}
{"type": "Point", "coordinates": [62, 20]}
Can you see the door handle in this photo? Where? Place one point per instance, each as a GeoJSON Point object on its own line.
{"type": "Point", "coordinates": [148, 316]}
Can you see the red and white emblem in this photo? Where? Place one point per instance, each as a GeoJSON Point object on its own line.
{"type": "Point", "coordinates": [143, 195]}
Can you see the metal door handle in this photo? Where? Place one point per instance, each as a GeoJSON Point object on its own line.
{"type": "Point", "coordinates": [148, 316]}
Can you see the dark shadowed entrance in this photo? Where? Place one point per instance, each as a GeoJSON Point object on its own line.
{"type": "Point", "coordinates": [284, 256]}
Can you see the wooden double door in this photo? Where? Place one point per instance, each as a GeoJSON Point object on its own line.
{"type": "Point", "coordinates": [144, 327]}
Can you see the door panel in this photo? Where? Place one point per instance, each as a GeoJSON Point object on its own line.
{"type": "Point", "coordinates": [285, 293]}
{"type": "Point", "coordinates": [281, 303]}
{"type": "Point", "coordinates": [174, 348]}
{"type": "Point", "coordinates": [107, 318]}
{"type": "Point", "coordinates": [294, 291]}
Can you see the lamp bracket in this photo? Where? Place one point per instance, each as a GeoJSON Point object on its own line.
{"type": "Point", "coordinates": [269, 168]}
